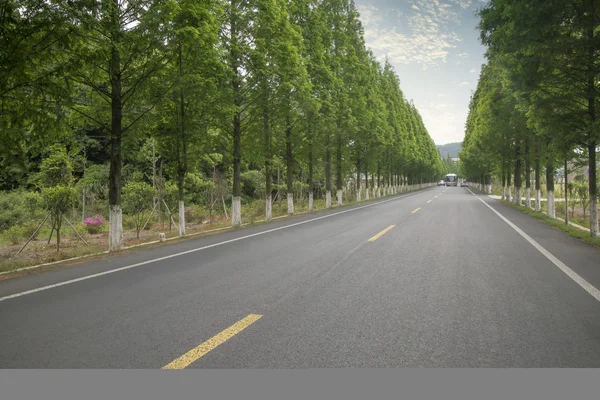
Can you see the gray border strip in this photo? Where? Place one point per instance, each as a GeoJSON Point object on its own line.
{"type": "Point", "coordinates": [462, 384]}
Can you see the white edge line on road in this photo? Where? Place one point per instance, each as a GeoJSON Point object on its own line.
{"type": "Point", "coordinates": [588, 287]}
{"type": "Point", "coordinates": [112, 271]}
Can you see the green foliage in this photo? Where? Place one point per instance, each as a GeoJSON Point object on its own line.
{"type": "Point", "coordinates": [32, 201]}
{"type": "Point", "coordinates": [15, 234]}
{"type": "Point", "coordinates": [252, 183]}
{"type": "Point", "coordinates": [179, 98]}
{"type": "Point", "coordinates": [58, 199]}
{"type": "Point", "coordinates": [56, 169]}
{"type": "Point", "coordinates": [196, 187]}
{"type": "Point", "coordinates": [12, 210]}
{"type": "Point", "coordinates": [137, 201]}
{"type": "Point", "coordinates": [539, 91]}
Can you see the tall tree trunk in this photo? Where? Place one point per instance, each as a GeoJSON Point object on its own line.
{"type": "Point", "coordinates": [328, 183]}
{"type": "Point", "coordinates": [566, 184]}
{"type": "Point", "coordinates": [593, 188]}
{"type": "Point", "coordinates": [508, 185]}
{"type": "Point", "coordinates": [268, 172]}
{"type": "Point", "coordinates": [527, 175]}
{"type": "Point", "coordinates": [236, 205]}
{"type": "Point", "coordinates": [339, 181]}
{"type": "Point", "coordinates": [289, 157]}
{"type": "Point", "coordinates": [310, 174]}
{"type": "Point", "coordinates": [593, 93]}
{"type": "Point", "coordinates": [550, 186]}
{"type": "Point", "coordinates": [115, 234]}
{"type": "Point", "coordinates": [378, 178]}
{"type": "Point", "coordinates": [538, 185]}
{"type": "Point", "coordinates": [358, 179]}
{"type": "Point", "coordinates": [503, 181]}
{"type": "Point", "coordinates": [367, 182]}
{"type": "Point", "coordinates": [183, 157]}
{"type": "Point", "coordinates": [518, 178]}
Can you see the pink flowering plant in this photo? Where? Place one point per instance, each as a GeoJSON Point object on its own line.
{"type": "Point", "coordinates": [94, 224]}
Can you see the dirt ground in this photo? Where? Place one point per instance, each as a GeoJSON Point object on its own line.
{"type": "Point", "coordinates": [40, 251]}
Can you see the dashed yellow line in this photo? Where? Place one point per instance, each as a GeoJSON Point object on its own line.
{"type": "Point", "coordinates": [429, 202]}
{"type": "Point", "coordinates": [416, 210]}
{"type": "Point", "coordinates": [435, 197]}
{"type": "Point", "coordinates": [380, 234]}
{"type": "Point", "coordinates": [197, 352]}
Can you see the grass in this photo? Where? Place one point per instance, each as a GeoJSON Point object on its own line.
{"type": "Point", "coordinates": [7, 265]}
{"type": "Point", "coordinates": [571, 231]}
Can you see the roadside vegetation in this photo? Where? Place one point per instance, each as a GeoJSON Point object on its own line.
{"type": "Point", "coordinates": [120, 120]}
{"type": "Point", "coordinates": [532, 129]}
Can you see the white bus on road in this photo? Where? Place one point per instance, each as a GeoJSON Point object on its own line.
{"type": "Point", "coordinates": [451, 180]}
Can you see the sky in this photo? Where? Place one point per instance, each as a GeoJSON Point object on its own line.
{"type": "Point", "coordinates": [434, 47]}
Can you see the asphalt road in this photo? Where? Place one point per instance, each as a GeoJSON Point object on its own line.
{"type": "Point", "coordinates": [451, 284]}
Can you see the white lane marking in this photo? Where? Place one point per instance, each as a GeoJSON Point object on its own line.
{"type": "Point", "coordinates": [112, 271]}
{"type": "Point", "coordinates": [588, 287]}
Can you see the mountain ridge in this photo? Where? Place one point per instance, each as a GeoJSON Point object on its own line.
{"type": "Point", "coordinates": [451, 149]}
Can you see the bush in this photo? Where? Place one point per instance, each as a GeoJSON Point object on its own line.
{"type": "Point", "coordinates": [32, 200]}
{"type": "Point", "coordinates": [12, 210]}
{"type": "Point", "coordinates": [93, 225]}
{"type": "Point", "coordinates": [15, 234]}
{"type": "Point", "coordinates": [196, 214]}
{"type": "Point", "coordinates": [196, 186]}
{"type": "Point", "coordinates": [137, 200]}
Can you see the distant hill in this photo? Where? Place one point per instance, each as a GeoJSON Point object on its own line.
{"type": "Point", "coordinates": [450, 148]}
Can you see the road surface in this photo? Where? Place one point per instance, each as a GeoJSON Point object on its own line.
{"type": "Point", "coordinates": [433, 278]}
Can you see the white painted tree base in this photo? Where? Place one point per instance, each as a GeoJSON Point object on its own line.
{"type": "Point", "coordinates": [339, 197]}
{"type": "Point", "coordinates": [518, 194]}
{"type": "Point", "coordinates": [181, 219]}
{"type": "Point", "coordinates": [311, 202]}
{"type": "Point", "coordinates": [503, 192]}
{"type": "Point", "coordinates": [551, 209]}
{"type": "Point", "coordinates": [268, 207]}
{"type": "Point", "coordinates": [328, 199]}
{"type": "Point", "coordinates": [115, 229]}
{"type": "Point", "coordinates": [367, 194]}
{"type": "Point", "coordinates": [489, 189]}
{"type": "Point", "coordinates": [538, 200]}
{"type": "Point", "coordinates": [509, 194]}
{"type": "Point", "coordinates": [236, 211]}
{"type": "Point", "coordinates": [290, 197]}
{"type": "Point", "coordinates": [528, 197]}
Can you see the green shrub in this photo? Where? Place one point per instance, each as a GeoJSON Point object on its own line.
{"type": "Point", "coordinates": [32, 201]}
{"type": "Point", "coordinates": [12, 209]}
{"type": "Point", "coordinates": [137, 202]}
{"type": "Point", "coordinates": [196, 214]}
{"type": "Point", "coordinates": [15, 234]}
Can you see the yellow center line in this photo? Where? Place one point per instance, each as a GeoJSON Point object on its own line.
{"type": "Point", "coordinates": [380, 234]}
{"type": "Point", "coordinates": [197, 352]}
{"type": "Point", "coordinates": [418, 208]}
{"type": "Point", "coordinates": [435, 197]}
{"type": "Point", "coordinates": [429, 202]}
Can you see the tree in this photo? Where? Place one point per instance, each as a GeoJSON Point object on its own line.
{"type": "Point", "coordinates": [137, 200]}
{"type": "Point", "coordinates": [55, 179]}
{"type": "Point", "coordinates": [550, 48]}
{"type": "Point", "coordinates": [119, 47]}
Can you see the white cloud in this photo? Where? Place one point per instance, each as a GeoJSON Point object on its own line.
{"type": "Point", "coordinates": [430, 38]}
{"type": "Point", "coordinates": [463, 55]}
{"type": "Point", "coordinates": [464, 83]}
{"type": "Point", "coordinates": [473, 71]}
